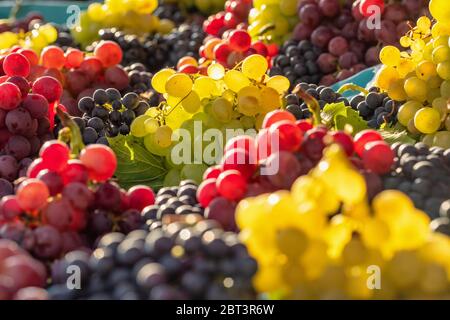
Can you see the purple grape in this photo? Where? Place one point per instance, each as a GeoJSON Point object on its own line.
{"type": "Point", "coordinates": [53, 181]}
{"type": "Point", "coordinates": [413, 6]}
{"type": "Point", "coordinates": [36, 105]}
{"type": "Point", "coordinates": [344, 74]}
{"type": "Point", "coordinates": [310, 15]}
{"type": "Point", "coordinates": [329, 8]}
{"type": "Point", "coordinates": [365, 33]}
{"type": "Point", "coordinates": [48, 242]}
{"type": "Point", "coordinates": [130, 220]}
{"type": "Point", "coordinates": [8, 167]}
{"type": "Point", "coordinates": [349, 31]}
{"type": "Point", "coordinates": [321, 36]}
{"type": "Point", "coordinates": [18, 121]}
{"type": "Point", "coordinates": [289, 169]}
{"type": "Point", "coordinates": [372, 56]}
{"type": "Point", "coordinates": [6, 188]}
{"type": "Point", "coordinates": [395, 12]}
{"type": "Point", "coordinates": [348, 60]}
{"type": "Point", "coordinates": [302, 32]}
{"type": "Point", "coordinates": [338, 46]}
{"type": "Point", "coordinates": [18, 147]}
{"type": "Point", "coordinates": [2, 118]}
{"type": "Point", "coordinates": [359, 48]}
{"type": "Point", "coordinates": [222, 210]}
{"type": "Point", "coordinates": [79, 195]}
{"type": "Point", "coordinates": [107, 196]}
{"type": "Point", "coordinates": [327, 62]}
{"type": "Point", "coordinates": [387, 33]}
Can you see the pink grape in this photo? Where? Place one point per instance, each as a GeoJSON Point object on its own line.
{"type": "Point", "coordinates": [55, 155]}
{"type": "Point", "coordinates": [100, 161]}
{"type": "Point", "coordinates": [206, 191]}
{"type": "Point", "coordinates": [231, 185]}
{"type": "Point", "coordinates": [378, 157]}
{"type": "Point", "coordinates": [140, 197]}
{"type": "Point", "coordinates": [16, 64]}
{"type": "Point", "coordinates": [32, 194]}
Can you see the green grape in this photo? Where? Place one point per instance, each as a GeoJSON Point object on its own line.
{"type": "Point", "coordinates": [440, 41]}
{"type": "Point", "coordinates": [151, 125]}
{"type": "Point", "coordinates": [212, 122]}
{"type": "Point", "coordinates": [194, 172]}
{"type": "Point", "coordinates": [222, 110]}
{"type": "Point", "coordinates": [407, 111]}
{"type": "Point", "coordinates": [288, 7]}
{"type": "Point", "coordinates": [427, 120]}
{"type": "Point", "coordinates": [179, 85]}
{"type": "Point", "coordinates": [442, 139]}
{"type": "Point", "coordinates": [428, 139]}
{"type": "Point", "coordinates": [434, 82]}
{"type": "Point", "coordinates": [445, 89]}
{"type": "Point", "coordinates": [200, 116]}
{"type": "Point", "coordinates": [433, 94]}
{"type": "Point", "coordinates": [163, 136]}
{"type": "Point", "coordinates": [443, 70]}
{"type": "Point", "coordinates": [441, 54]}
{"type": "Point", "coordinates": [205, 87]}
{"type": "Point", "coordinates": [236, 80]}
{"type": "Point", "coordinates": [440, 104]}
{"type": "Point", "coordinates": [172, 178]}
{"type": "Point", "coordinates": [390, 56]}
{"type": "Point", "coordinates": [412, 128]}
{"type": "Point", "coordinates": [138, 128]}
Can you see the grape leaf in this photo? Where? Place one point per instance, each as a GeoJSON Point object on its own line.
{"type": "Point", "coordinates": [331, 110]}
{"type": "Point", "coordinates": [135, 165]}
{"type": "Point", "coordinates": [396, 133]}
{"type": "Point", "coordinates": [340, 116]}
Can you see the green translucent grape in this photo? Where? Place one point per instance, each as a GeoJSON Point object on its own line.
{"type": "Point", "coordinates": [193, 172]}
{"type": "Point", "coordinates": [172, 178]}
{"type": "Point", "coordinates": [442, 139]}
{"type": "Point", "coordinates": [138, 128]}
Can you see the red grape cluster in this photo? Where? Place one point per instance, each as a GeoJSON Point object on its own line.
{"type": "Point", "coordinates": [26, 114]}
{"type": "Point", "coordinates": [21, 276]}
{"type": "Point", "coordinates": [65, 203]}
{"type": "Point", "coordinates": [299, 149]}
{"type": "Point", "coordinates": [234, 16]}
{"type": "Point", "coordinates": [345, 35]}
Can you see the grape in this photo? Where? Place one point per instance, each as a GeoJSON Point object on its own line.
{"type": "Point", "coordinates": [207, 191]}
{"type": "Point", "coordinates": [222, 210]}
{"type": "Point", "coordinates": [36, 105]}
{"type": "Point", "coordinates": [6, 188]}
{"type": "Point", "coordinates": [32, 194]}
{"type": "Point", "coordinates": [55, 155]}
{"type": "Point", "coordinates": [427, 120]}
{"type": "Point", "coordinates": [254, 67]}
{"type": "Point", "coordinates": [48, 87]}
{"type": "Point", "coordinates": [338, 46]}
{"type": "Point", "coordinates": [100, 162]}
{"type": "Point", "coordinates": [239, 40]}
{"type": "Point", "coordinates": [329, 8]}
{"type": "Point", "coordinates": [53, 57]}
{"type": "Point", "coordinates": [140, 197]}
{"type": "Point", "coordinates": [310, 15]}
{"type": "Point", "coordinates": [378, 157]}
{"type": "Point", "coordinates": [53, 181]}
{"type": "Point", "coordinates": [231, 185]}
{"type": "Point", "coordinates": [109, 53]}
{"type": "Point", "coordinates": [78, 195]}
{"type": "Point", "coordinates": [8, 167]}
{"type": "Point", "coordinates": [18, 146]}
{"type": "Point", "coordinates": [326, 62]}
{"type": "Point", "coordinates": [321, 36]}
{"type": "Point", "coordinates": [10, 96]}
{"type": "Point", "coordinates": [48, 242]}
{"type": "Point", "coordinates": [16, 64]}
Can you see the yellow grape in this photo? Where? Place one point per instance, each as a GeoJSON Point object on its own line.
{"type": "Point", "coordinates": [396, 90]}
{"type": "Point", "coordinates": [440, 10]}
{"type": "Point", "coordinates": [425, 70]}
{"type": "Point", "coordinates": [163, 136]}
{"type": "Point", "coordinates": [390, 56]}
{"type": "Point", "coordinates": [270, 99]}
{"type": "Point", "coordinates": [96, 12]}
{"type": "Point", "coordinates": [447, 123]}
{"type": "Point", "coordinates": [416, 89]}
{"type": "Point", "coordinates": [49, 31]}
{"type": "Point", "coordinates": [441, 105]}
{"type": "Point", "coordinates": [138, 128]}
{"type": "Point", "coordinates": [442, 139]}
{"type": "Point", "coordinates": [443, 70]}
{"type": "Point", "coordinates": [412, 128]}
{"type": "Point", "coordinates": [292, 242]}
{"type": "Point", "coordinates": [279, 83]}
{"type": "Point", "coordinates": [249, 100]}
{"type": "Point", "coordinates": [205, 87]}
{"type": "Point", "coordinates": [434, 82]}
{"type": "Point", "coordinates": [255, 67]}
{"type": "Point", "coordinates": [433, 93]}
{"type": "Point", "coordinates": [427, 120]}
{"type": "Point", "coordinates": [428, 139]}
{"type": "Point", "coordinates": [405, 41]}
{"type": "Point", "coordinates": [160, 78]}
{"type": "Point", "coordinates": [216, 71]}
{"type": "Point", "coordinates": [222, 110]}
{"type": "Point", "coordinates": [441, 54]}
{"type": "Point", "coordinates": [445, 89]}
{"type": "Point", "coordinates": [440, 41]}
{"type": "Point", "coordinates": [404, 269]}
{"type": "Point", "coordinates": [405, 67]}
{"type": "Point", "coordinates": [191, 103]}
{"type": "Point", "coordinates": [428, 51]}
{"type": "Point", "coordinates": [179, 85]}
{"type": "Point", "coordinates": [236, 80]}
{"type": "Point", "coordinates": [151, 125]}
{"type": "Point", "coordinates": [423, 24]}
{"type": "Point", "coordinates": [385, 76]}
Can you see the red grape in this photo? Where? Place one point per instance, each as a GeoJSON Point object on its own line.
{"type": "Point", "coordinates": [53, 57]}
{"type": "Point", "coordinates": [140, 196]}
{"type": "Point", "coordinates": [277, 115]}
{"type": "Point", "coordinates": [16, 64]}
{"type": "Point", "coordinates": [212, 172]}
{"type": "Point", "coordinates": [74, 58]}
{"type": "Point", "coordinates": [329, 8]}
{"type": "Point", "coordinates": [109, 53]}
{"type": "Point", "coordinates": [206, 192]}
{"type": "Point", "coordinates": [378, 157]}
{"type": "Point", "coordinates": [21, 83]}
{"type": "Point", "coordinates": [231, 185]}
{"type": "Point", "coordinates": [364, 137]}
{"type": "Point", "coordinates": [239, 40]}
{"type": "Point", "coordinates": [32, 194]}
{"type": "Point", "coordinates": [240, 160]}
{"type": "Point", "coordinates": [100, 161]}
{"type": "Point", "coordinates": [32, 57]}
{"type": "Point", "coordinates": [366, 11]}
{"type": "Point", "coordinates": [55, 155]}
{"type": "Point", "coordinates": [310, 15]}
{"type": "Point", "coordinates": [338, 46]}
{"type": "Point", "coordinates": [344, 140]}
{"type": "Point", "coordinates": [58, 213]}
{"type": "Point", "coordinates": [10, 96]}
{"type": "Point", "coordinates": [48, 87]}
{"type": "Point", "coordinates": [75, 171]}
{"type": "Point", "coordinates": [36, 105]}
{"type": "Point", "coordinates": [288, 134]}
{"type": "Point", "coordinates": [53, 180]}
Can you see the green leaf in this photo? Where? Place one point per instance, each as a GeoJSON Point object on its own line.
{"type": "Point", "coordinates": [353, 119]}
{"type": "Point", "coordinates": [331, 110]}
{"type": "Point", "coordinates": [135, 165]}
{"type": "Point", "coordinates": [392, 136]}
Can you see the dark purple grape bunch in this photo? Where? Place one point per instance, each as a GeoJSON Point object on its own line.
{"type": "Point", "coordinates": [170, 11]}
{"type": "Point", "coordinates": [321, 93]}
{"type": "Point", "coordinates": [297, 62]}
{"type": "Point", "coordinates": [423, 174]}
{"type": "Point", "coordinates": [376, 108]}
{"type": "Point", "coordinates": [107, 114]}
{"type": "Point", "coordinates": [140, 83]}
{"type": "Point", "coordinates": [178, 260]}
{"type": "Point", "coordinates": [177, 200]}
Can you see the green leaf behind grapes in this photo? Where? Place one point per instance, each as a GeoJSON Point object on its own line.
{"type": "Point", "coordinates": [135, 165]}
{"type": "Point", "coordinates": [339, 116]}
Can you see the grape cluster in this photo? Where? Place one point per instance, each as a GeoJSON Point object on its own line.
{"type": "Point", "coordinates": [297, 62]}
{"type": "Point", "coordinates": [21, 276]}
{"type": "Point", "coordinates": [344, 33]}
{"type": "Point", "coordinates": [140, 83]}
{"type": "Point", "coordinates": [107, 114]}
{"type": "Point", "coordinates": [234, 16]}
{"type": "Point", "coordinates": [64, 204]}
{"type": "Point", "coordinates": [322, 94]}
{"type": "Point", "coordinates": [170, 11]}
{"type": "Point", "coordinates": [178, 260]}
{"type": "Point", "coordinates": [376, 108]}
{"type": "Point", "coordinates": [175, 200]}
{"type": "Point", "coordinates": [423, 174]}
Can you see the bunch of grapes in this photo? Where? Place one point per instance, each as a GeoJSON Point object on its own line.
{"type": "Point", "coordinates": [273, 19]}
{"type": "Point", "coordinates": [323, 237]}
{"type": "Point", "coordinates": [131, 16]}
{"type": "Point", "coordinates": [297, 61]}
{"type": "Point", "coordinates": [376, 107]}
{"type": "Point", "coordinates": [343, 31]}
{"type": "Point", "coordinates": [170, 260]}
{"type": "Point", "coordinates": [420, 77]}
{"type": "Point", "coordinates": [38, 37]}
{"type": "Point", "coordinates": [423, 174]}
{"type": "Point", "coordinates": [107, 114]}
{"type": "Point", "coordinates": [66, 203]}
{"type": "Point", "coordinates": [140, 83]}
{"type": "Point", "coordinates": [234, 16]}
{"type": "Point", "coordinates": [21, 276]}
{"type": "Point", "coordinates": [27, 110]}
{"type": "Point", "coordinates": [281, 152]}
{"type": "Point", "coordinates": [170, 11]}
{"type": "Point", "coordinates": [223, 100]}
{"type": "Point", "coordinates": [322, 94]}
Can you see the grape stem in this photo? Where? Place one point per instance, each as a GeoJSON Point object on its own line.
{"type": "Point", "coordinates": [15, 9]}
{"type": "Point", "coordinates": [70, 133]}
{"type": "Point", "coordinates": [351, 86]}
{"type": "Point", "coordinates": [311, 102]}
